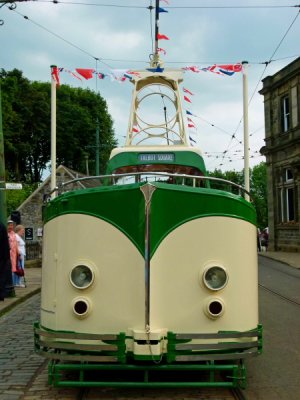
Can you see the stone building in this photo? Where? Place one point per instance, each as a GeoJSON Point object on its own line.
{"type": "Point", "coordinates": [31, 210]}
{"type": "Point", "coordinates": [281, 93]}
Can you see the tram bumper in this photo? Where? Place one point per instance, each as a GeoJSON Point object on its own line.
{"type": "Point", "coordinates": [153, 359]}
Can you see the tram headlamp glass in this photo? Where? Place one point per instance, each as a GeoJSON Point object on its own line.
{"type": "Point", "coordinates": [215, 278]}
{"type": "Point", "coordinates": [82, 277]}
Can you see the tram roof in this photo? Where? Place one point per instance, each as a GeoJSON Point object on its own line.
{"type": "Point", "coordinates": [145, 155]}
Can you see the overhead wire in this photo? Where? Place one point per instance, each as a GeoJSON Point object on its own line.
{"type": "Point", "coordinates": [102, 60]}
{"type": "Point", "coordinates": [264, 70]}
{"type": "Point", "coordinates": [61, 38]}
{"type": "Point", "coordinates": [166, 7]}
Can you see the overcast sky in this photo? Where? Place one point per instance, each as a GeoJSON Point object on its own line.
{"type": "Point", "coordinates": [118, 32]}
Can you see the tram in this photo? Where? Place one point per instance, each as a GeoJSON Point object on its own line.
{"type": "Point", "coordinates": [150, 277]}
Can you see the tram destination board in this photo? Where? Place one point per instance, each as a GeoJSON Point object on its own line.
{"type": "Point", "coordinates": [156, 157]}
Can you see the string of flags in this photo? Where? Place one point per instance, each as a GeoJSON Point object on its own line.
{"type": "Point", "coordinates": [122, 75]}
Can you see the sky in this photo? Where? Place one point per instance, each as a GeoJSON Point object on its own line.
{"type": "Point", "coordinates": [73, 34]}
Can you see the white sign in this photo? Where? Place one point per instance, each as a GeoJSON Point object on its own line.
{"type": "Point", "coordinates": [13, 186]}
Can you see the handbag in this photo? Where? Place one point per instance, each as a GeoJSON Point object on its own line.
{"type": "Point", "coordinates": [19, 271]}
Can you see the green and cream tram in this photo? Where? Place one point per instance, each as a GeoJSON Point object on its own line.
{"type": "Point", "coordinates": [150, 277]}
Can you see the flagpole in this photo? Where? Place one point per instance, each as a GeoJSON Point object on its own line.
{"type": "Point", "coordinates": [246, 129]}
{"type": "Point", "coordinates": [53, 130]}
{"type": "Point", "coordinates": [156, 27]}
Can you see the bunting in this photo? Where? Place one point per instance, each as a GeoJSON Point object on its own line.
{"type": "Point", "coordinates": [87, 73]}
{"type": "Point", "coordinates": [188, 91]}
{"type": "Point", "coordinates": [55, 75]}
{"type": "Point", "coordinates": [162, 37]}
{"type": "Point", "coordinates": [160, 50]}
{"type": "Point", "coordinates": [220, 69]}
{"type": "Point", "coordinates": [187, 99]}
{"type": "Point", "coordinates": [123, 75]}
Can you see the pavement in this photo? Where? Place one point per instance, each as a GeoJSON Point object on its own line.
{"type": "Point", "coordinates": [33, 278]}
{"type": "Point", "coordinates": [291, 259]}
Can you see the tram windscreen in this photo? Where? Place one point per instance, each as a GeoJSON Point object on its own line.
{"type": "Point", "coordinates": [158, 173]}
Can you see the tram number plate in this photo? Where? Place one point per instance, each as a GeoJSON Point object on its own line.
{"type": "Point", "coordinates": [156, 157]}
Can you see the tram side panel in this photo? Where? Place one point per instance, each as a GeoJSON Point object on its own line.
{"type": "Point", "coordinates": [115, 298]}
{"type": "Point", "coordinates": [180, 300]}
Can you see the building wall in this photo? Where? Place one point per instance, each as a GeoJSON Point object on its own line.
{"type": "Point", "coordinates": [282, 150]}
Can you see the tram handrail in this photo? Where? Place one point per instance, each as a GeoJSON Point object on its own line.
{"type": "Point", "coordinates": [60, 189]}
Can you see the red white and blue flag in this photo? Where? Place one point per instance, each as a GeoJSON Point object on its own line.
{"type": "Point", "coordinates": [188, 91]}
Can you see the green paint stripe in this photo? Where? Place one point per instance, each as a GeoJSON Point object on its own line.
{"type": "Point", "coordinates": [172, 205]}
{"type": "Point", "coordinates": [123, 206]}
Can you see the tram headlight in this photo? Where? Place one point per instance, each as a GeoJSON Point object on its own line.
{"type": "Point", "coordinates": [81, 277]}
{"type": "Point", "coordinates": [215, 278]}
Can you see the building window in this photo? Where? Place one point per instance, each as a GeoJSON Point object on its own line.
{"type": "Point", "coordinates": [287, 197]}
{"type": "Point", "coordinates": [285, 113]}
{"type": "Point", "coordinates": [290, 215]}
{"type": "Point", "coordinates": [289, 177]}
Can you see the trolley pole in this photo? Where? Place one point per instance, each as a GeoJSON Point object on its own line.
{"type": "Point", "coordinates": [53, 130]}
{"type": "Point", "coordinates": [246, 129]}
{"type": "Point", "coordinates": [2, 171]}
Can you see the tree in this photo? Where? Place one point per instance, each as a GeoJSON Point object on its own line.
{"type": "Point", "coordinates": [16, 197]}
{"type": "Point", "coordinates": [26, 126]}
{"type": "Point", "coordinates": [258, 185]}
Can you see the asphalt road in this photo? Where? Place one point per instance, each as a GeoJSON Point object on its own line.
{"type": "Point", "coordinates": [275, 375]}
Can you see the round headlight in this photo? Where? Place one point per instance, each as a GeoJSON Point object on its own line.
{"type": "Point", "coordinates": [82, 276]}
{"type": "Point", "coordinates": [215, 278]}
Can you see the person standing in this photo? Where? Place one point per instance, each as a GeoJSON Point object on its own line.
{"type": "Point", "coordinates": [13, 247]}
{"type": "Point", "coordinates": [4, 259]}
{"type": "Point", "coordinates": [20, 231]}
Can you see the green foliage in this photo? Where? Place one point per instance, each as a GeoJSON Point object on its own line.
{"type": "Point", "coordinates": [258, 185]}
{"type": "Point", "coordinates": [26, 127]}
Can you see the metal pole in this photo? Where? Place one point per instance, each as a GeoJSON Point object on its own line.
{"type": "Point", "coordinates": [2, 171]}
{"type": "Point", "coordinates": [97, 147]}
{"type": "Point", "coordinates": [53, 131]}
{"type": "Point", "coordinates": [156, 26]}
{"type": "Point", "coordinates": [246, 129]}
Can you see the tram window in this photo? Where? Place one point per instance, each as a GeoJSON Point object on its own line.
{"type": "Point", "coordinates": [148, 173]}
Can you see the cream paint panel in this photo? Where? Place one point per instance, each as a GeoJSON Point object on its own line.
{"type": "Point", "coordinates": [178, 295]}
{"type": "Point", "coordinates": [49, 263]}
{"type": "Point", "coordinates": [117, 294]}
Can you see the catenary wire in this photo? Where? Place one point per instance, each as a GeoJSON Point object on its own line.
{"type": "Point", "coordinates": [166, 7]}
{"type": "Point", "coordinates": [264, 70]}
{"type": "Point", "coordinates": [103, 62]}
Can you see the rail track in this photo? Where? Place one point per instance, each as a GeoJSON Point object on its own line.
{"type": "Point", "coordinates": [279, 295]}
